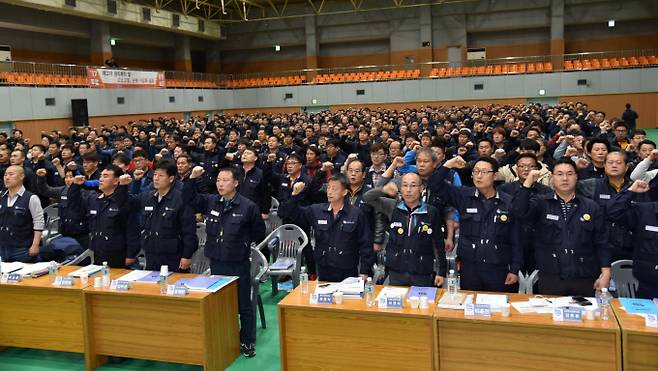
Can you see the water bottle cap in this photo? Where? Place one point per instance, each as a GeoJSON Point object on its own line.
{"type": "Point", "coordinates": [104, 263]}
{"type": "Point", "coordinates": [369, 279]}
{"type": "Point", "coordinates": [164, 269]}
{"type": "Point", "coordinates": [605, 289]}
{"type": "Point", "coordinates": [303, 269]}
{"type": "Point", "coordinates": [452, 271]}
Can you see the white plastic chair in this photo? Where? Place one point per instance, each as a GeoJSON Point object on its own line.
{"type": "Point", "coordinates": [87, 254]}
{"type": "Point", "coordinates": [622, 274]}
{"type": "Point", "coordinates": [287, 241]}
{"type": "Point", "coordinates": [526, 283]}
{"type": "Point", "coordinates": [200, 263]}
{"type": "Point", "coordinates": [274, 220]}
{"type": "Point", "coordinates": [259, 268]}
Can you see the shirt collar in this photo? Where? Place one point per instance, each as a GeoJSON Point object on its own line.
{"type": "Point", "coordinates": [476, 193]}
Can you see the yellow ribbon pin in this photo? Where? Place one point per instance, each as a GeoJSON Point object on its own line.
{"type": "Point", "coordinates": [425, 228]}
{"type": "Point", "coordinates": [400, 231]}
{"type": "Point", "coordinates": [503, 218]}
{"type": "Point", "coordinates": [587, 217]}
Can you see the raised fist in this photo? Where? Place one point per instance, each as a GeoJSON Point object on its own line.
{"type": "Point", "coordinates": [125, 179]}
{"type": "Point", "coordinates": [41, 172]}
{"type": "Point", "coordinates": [197, 172]}
{"type": "Point", "coordinates": [298, 188]}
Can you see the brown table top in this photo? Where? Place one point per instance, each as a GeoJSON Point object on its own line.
{"type": "Point", "coordinates": [298, 300]}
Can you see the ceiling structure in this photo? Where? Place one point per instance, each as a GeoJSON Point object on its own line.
{"type": "Point", "coordinates": [230, 11]}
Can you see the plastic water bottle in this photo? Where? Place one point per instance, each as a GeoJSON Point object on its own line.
{"type": "Point", "coordinates": [452, 283]}
{"type": "Point", "coordinates": [303, 280]}
{"type": "Point", "coordinates": [0, 265]}
{"type": "Point", "coordinates": [164, 274]}
{"type": "Point", "coordinates": [369, 292]}
{"type": "Point", "coordinates": [52, 271]}
{"type": "Point", "coordinates": [605, 304]}
{"type": "Point", "coordinates": [105, 273]}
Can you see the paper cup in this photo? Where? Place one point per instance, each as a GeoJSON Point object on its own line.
{"type": "Point", "coordinates": [413, 302]}
{"type": "Point", "coordinates": [98, 282]}
{"type": "Point", "coordinates": [423, 302]}
{"type": "Point", "coordinates": [84, 278]}
{"type": "Point", "coordinates": [505, 310]}
{"type": "Point", "coordinates": [338, 297]}
{"type": "Point", "coordinates": [590, 313]}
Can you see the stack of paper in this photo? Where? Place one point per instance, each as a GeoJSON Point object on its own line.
{"type": "Point", "coordinates": [326, 288]}
{"type": "Point", "coordinates": [456, 301]}
{"type": "Point", "coordinates": [282, 264]}
{"type": "Point", "coordinates": [392, 292]}
{"type": "Point", "coordinates": [11, 267]}
{"type": "Point", "coordinates": [142, 276]}
{"type": "Point", "coordinates": [495, 301]}
{"type": "Point", "coordinates": [352, 287]}
{"type": "Point", "coordinates": [90, 270]}
{"type": "Point", "coordinates": [206, 283]}
{"type": "Point", "coordinates": [429, 292]}
{"type": "Point", "coordinates": [33, 270]}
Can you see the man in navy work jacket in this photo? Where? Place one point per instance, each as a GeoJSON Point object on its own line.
{"type": "Point", "coordinates": [489, 248]}
{"type": "Point", "coordinates": [343, 238]}
{"type": "Point", "coordinates": [643, 216]}
{"type": "Point", "coordinates": [112, 220]}
{"type": "Point", "coordinates": [168, 231]}
{"type": "Point", "coordinates": [415, 236]}
{"type": "Point", "coordinates": [233, 222]}
{"type": "Point", "coordinates": [573, 256]}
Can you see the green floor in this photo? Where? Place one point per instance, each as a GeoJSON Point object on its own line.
{"type": "Point", "coordinates": [267, 352]}
{"type": "Point", "coordinates": [652, 134]}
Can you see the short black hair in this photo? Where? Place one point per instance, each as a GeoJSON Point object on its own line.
{"type": "Point", "coordinates": [234, 172]}
{"type": "Point", "coordinates": [489, 160]}
{"type": "Point", "coordinates": [90, 156]}
{"type": "Point", "coordinates": [647, 141]}
{"type": "Point", "coordinates": [491, 142]}
{"type": "Point", "coordinates": [565, 161]}
{"type": "Point", "coordinates": [529, 145]}
{"type": "Point", "coordinates": [527, 155]}
{"type": "Point", "coordinates": [122, 158]}
{"type": "Point", "coordinates": [590, 144]}
{"type": "Point", "coordinates": [140, 153]}
{"type": "Point", "coordinates": [114, 169]}
{"type": "Point", "coordinates": [168, 166]}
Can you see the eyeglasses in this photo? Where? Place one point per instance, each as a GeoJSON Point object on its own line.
{"type": "Point", "coordinates": [482, 172]}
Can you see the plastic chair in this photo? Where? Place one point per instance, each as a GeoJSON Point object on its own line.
{"type": "Point", "coordinates": [379, 268]}
{"type": "Point", "coordinates": [51, 223]}
{"type": "Point", "coordinates": [526, 283]}
{"type": "Point", "coordinates": [259, 268]}
{"type": "Point", "coordinates": [287, 241]}
{"type": "Point", "coordinates": [274, 220]}
{"type": "Point", "coordinates": [622, 274]}
{"type": "Point", "coordinates": [87, 254]}
{"type": "Point", "coordinates": [200, 263]}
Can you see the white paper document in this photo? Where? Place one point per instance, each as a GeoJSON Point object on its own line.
{"type": "Point", "coordinates": [90, 269]}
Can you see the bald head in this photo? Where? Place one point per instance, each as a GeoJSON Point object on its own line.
{"type": "Point", "coordinates": [14, 176]}
{"type": "Point", "coordinates": [411, 186]}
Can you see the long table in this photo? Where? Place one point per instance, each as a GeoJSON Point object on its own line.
{"type": "Point", "coordinates": [200, 328]}
{"type": "Point", "coordinates": [36, 314]}
{"type": "Point", "coordinates": [525, 342]}
{"type": "Point", "coordinates": [640, 343]}
{"type": "Point", "coordinates": [352, 336]}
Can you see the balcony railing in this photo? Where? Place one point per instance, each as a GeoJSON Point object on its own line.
{"type": "Point", "coordinates": [43, 74]}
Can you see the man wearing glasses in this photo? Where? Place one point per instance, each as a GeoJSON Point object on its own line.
{"type": "Point", "coordinates": [525, 163]}
{"type": "Point", "coordinates": [489, 248]}
{"type": "Point", "coordinates": [574, 255]}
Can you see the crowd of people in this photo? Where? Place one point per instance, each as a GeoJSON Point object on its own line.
{"type": "Point", "coordinates": [562, 189]}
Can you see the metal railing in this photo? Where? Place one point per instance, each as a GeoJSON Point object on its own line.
{"type": "Point", "coordinates": [509, 65]}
